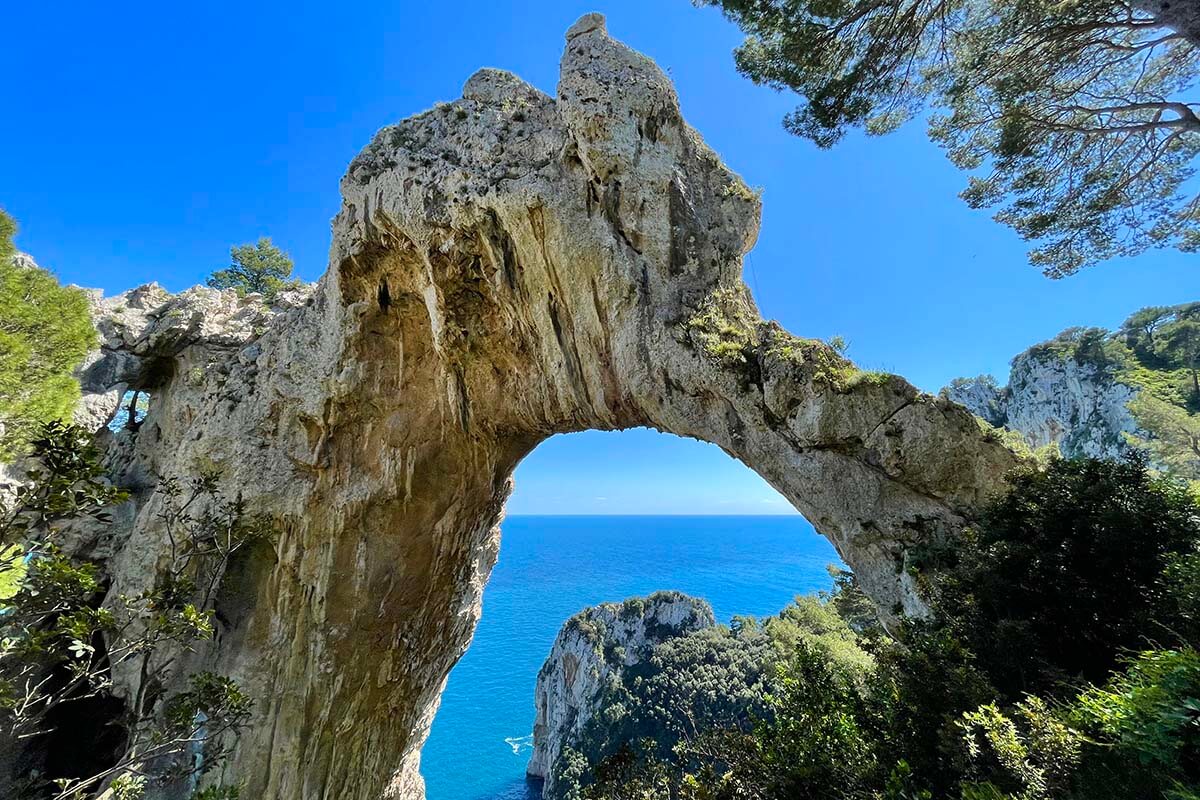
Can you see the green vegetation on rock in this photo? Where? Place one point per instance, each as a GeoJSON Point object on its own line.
{"type": "Point", "coordinates": [1175, 443]}
{"type": "Point", "coordinates": [1060, 664]}
{"type": "Point", "coordinates": [1167, 339]}
{"type": "Point", "coordinates": [711, 683]}
{"type": "Point", "coordinates": [1156, 351]}
{"type": "Point", "coordinates": [45, 333]}
{"type": "Point", "coordinates": [1162, 358]}
{"type": "Point", "coordinates": [723, 326]}
{"type": "Point", "coordinates": [63, 641]}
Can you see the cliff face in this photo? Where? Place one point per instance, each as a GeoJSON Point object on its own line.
{"type": "Point", "coordinates": [1081, 407]}
{"type": "Point", "coordinates": [504, 268]}
{"type": "Point", "coordinates": [590, 648]}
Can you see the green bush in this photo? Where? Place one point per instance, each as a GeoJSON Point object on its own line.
{"type": "Point", "coordinates": [924, 683]}
{"type": "Point", "coordinates": [1145, 723]}
{"type": "Point", "coordinates": [814, 744]}
{"type": "Point", "coordinates": [1028, 753]}
{"type": "Point", "coordinates": [45, 333]}
{"type": "Point", "coordinates": [1066, 572]}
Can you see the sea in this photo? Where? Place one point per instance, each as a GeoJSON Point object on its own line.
{"type": "Point", "coordinates": [552, 567]}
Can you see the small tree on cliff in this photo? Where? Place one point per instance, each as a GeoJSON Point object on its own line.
{"type": "Point", "coordinates": [1073, 116]}
{"type": "Point", "coordinates": [261, 267]}
{"type": "Point", "coordinates": [45, 332]}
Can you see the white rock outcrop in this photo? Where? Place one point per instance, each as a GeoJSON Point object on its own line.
{"type": "Point", "coordinates": [504, 268]}
{"type": "Point", "coordinates": [143, 330]}
{"type": "Point", "coordinates": [1081, 407]}
{"type": "Point", "coordinates": [589, 648]}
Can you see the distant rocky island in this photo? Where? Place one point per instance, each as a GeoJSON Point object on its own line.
{"type": "Point", "coordinates": [645, 674]}
{"type": "Point", "coordinates": [592, 654]}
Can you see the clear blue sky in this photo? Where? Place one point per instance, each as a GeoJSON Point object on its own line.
{"type": "Point", "coordinates": [141, 140]}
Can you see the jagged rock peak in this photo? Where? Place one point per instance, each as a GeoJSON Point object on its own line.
{"type": "Point", "coordinates": [586, 24]}
{"type": "Point", "coordinates": [145, 329]}
{"type": "Point", "coordinates": [24, 261]}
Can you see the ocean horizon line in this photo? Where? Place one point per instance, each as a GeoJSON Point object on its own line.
{"type": "Point", "coordinates": [638, 514]}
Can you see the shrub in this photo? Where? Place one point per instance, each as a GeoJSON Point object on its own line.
{"type": "Point", "coordinates": [45, 333]}
{"type": "Point", "coordinates": [1145, 722]}
{"type": "Point", "coordinates": [1067, 570]}
{"type": "Point", "coordinates": [1029, 754]}
{"type": "Point", "coordinates": [61, 638]}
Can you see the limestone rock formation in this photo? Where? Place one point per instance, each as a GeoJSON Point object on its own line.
{"type": "Point", "coordinates": [24, 261]}
{"type": "Point", "coordinates": [1081, 407]}
{"type": "Point", "coordinates": [589, 648]}
{"type": "Point", "coordinates": [504, 268]}
{"type": "Point", "coordinates": [144, 330]}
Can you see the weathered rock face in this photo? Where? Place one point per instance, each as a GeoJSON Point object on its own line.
{"type": "Point", "coordinates": [588, 649]}
{"type": "Point", "coordinates": [1050, 399]}
{"type": "Point", "coordinates": [143, 332]}
{"type": "Point", "coordinates": [504, 268]}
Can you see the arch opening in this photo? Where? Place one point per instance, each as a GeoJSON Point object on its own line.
{"type": "Point", "coordinates": [599, 517]}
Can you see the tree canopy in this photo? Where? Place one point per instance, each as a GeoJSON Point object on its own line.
{"type": "Point", "coordinates": [1168, 337]}
{"type": "Point", "coordinates": [45, 333]}
{"type": "Point", "coordinates": [1175, 434]}
{"type": "Point", "coordinates": [1073, 117]}
{"type": "Point", "coordinates": [1064, 573]}
{"type": "Point", "coordinates": [255, 268]}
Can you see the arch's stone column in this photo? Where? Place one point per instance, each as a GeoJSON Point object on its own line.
{"type": "Point", "coordinates": [505, 267]}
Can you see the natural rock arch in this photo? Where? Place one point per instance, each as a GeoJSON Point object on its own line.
{"type": "Point", "coordinates": [505, 267]}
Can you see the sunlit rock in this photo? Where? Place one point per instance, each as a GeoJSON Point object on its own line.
{"type": "Point", "coordinates": [504, 267]}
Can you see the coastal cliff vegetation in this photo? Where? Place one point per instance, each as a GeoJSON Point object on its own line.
{"type": "Point", "coordinates": [1051, 649]}
{"type": "Point", "coordinates": [66, 732]}
{"type": "Point", "coordinates": [1094, 392]}
{"type": "Point", "coordinates": [1060, 662]}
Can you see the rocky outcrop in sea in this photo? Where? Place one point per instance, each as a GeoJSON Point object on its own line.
{"type": "Point", "coordinates": [593, 648]}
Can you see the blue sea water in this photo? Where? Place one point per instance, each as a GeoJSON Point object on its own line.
{"type": "Point", "coordinates": [550, 568]}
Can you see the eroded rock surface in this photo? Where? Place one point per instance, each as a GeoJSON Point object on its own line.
{"type": "Point", "coordinates": [145, 331]}
{"type": "Point", "coordinates": [589, 648]}
{"type": "Point", "coordinates": [504, 268]}
{"type": "Point", "coordinates": [1081, 407]}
